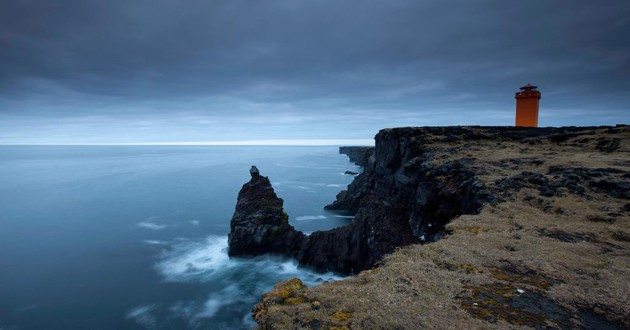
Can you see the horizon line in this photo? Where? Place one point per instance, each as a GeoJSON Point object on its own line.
{"type": "Point", "coordinates": [275, 142]}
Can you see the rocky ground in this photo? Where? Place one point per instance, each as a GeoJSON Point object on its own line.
{"type": "Point", "coordinates": [531, 228]}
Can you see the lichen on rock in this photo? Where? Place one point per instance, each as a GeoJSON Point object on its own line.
{"type": "Point", "coordinates": [287, 292]}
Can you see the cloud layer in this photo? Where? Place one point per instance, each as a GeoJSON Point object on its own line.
{"type": "Point", "coordinates": [169, 71]}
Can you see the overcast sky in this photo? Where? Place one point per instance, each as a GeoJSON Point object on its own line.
{"type": "Point", "coordinates": [121, 71]}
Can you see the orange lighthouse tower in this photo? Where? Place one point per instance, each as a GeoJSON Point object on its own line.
{"type": "Point", "coordinates": [527, 106]}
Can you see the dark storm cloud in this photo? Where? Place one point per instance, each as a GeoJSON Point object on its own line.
{"type": "Point", "coordinates": [398, 58]}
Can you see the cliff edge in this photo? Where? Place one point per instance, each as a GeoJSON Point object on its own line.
{"type": "Point", "coordinates": [534, 225]}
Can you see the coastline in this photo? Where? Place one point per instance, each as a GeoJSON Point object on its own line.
{"type": "Point", "coordinates": [549, 245]}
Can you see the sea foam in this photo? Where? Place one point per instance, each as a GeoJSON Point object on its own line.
{"type": "Point", "coordinates": [240, 280]}
{"type": "Point", "coordinates": [310, 217]}
{"type": "Point", "coordinates": [191, 260]}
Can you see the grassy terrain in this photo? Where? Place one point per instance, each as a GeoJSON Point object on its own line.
{"type": "Point", "coordinates": [558, 259]}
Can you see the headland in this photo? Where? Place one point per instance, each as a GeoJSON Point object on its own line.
{"type": "Point", "coordinates": [471, 227]}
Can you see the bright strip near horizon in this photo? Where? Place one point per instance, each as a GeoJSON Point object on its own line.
{"type": "Point", "coordinates": [289, 142]}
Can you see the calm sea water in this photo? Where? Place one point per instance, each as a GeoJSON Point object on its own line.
{"type": "Point", "coordinates": [135, 237]}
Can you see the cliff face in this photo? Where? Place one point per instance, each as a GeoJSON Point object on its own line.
{"type": "Point", "coordinates": [358, 155]}
{"type": "Point", "coordinates": [259, 224]}
{"type": "Point", "coordinates": [349, 200]}
{"type": "Point", "coordinates": [535, 224]}
{"type": "Point", "coordinates": [401, 198]}
{"type": "Point", "coordinates": [414, 182]}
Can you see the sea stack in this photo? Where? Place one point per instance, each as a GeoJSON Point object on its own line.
{"type": "Point", "coordinates": [259, 224]}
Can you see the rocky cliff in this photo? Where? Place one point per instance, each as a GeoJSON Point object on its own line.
{"type": "Point", "coordinates": [349, 200]}
{"type": "Point", "coordinates": [358, 155]}
{"type": "Point", "coordinates": [259, 224]}
{"type": "Point", "coordinates": [535, 225]}
{"type": "Point", "coordinates": [401, 198]}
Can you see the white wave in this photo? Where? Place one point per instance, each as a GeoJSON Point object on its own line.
{"type": "Point", "coordinates": [151, 225]}
{"type": "Point", "coordinates": [154, 242]}
{"type": "Point", "coordinates": [333, 185]}
{"type": "Point", "coordinates": [288, 268]}
{"type": "Point", "coordinates": [210, 307]}
{"type": "Point", "coordinates": [310, 217]}
{"type": "Point", "coordinates": [192, 260]}
{"type": "Point", "coordinates": [344, 216]}
{"type": "Point", "coordinates": [143, 316]}
{"type": "Point", "coordinates": [235, 281]}
{"type": "Point", "coordinates": [303, 188]}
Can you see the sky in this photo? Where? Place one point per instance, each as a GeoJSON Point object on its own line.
{"type": "Point", "coordinates": [316, 72]}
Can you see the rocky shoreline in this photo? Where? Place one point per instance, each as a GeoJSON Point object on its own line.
{"type": "Point", "coordinates": [420, 182]}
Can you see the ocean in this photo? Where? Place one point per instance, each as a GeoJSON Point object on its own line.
{"type": "Point", "coordinates": [135, 237]}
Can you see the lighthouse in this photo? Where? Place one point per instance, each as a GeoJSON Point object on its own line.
{"type": "Point", "coordinates": [527, 106]}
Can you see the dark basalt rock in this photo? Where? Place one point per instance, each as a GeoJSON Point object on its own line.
{"type": "Point", "coordinates": [350, 200]}
{"type": "Point", "coordinates": [358, 155]}
{"type": "Point", "coordinates": [259, 224]}
{"type": "Point", "coordinates": [574, 180]}
{"type": "Point", "coordinates": [399, 199]}
{"type": "Point", "coordinates": [404, 196]}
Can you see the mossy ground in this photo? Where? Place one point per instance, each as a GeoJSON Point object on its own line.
{"type": "Point", "coordinates": [528, 261]}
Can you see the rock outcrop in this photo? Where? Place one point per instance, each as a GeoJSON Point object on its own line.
{"type": "Point", "coordinates": [549, 249]}
{"type": "Point", "coordinates": [358, 155]}
{"type": "Point", "coordinates": [349, 200]}
{"type": "Point", "coordinates": [413, 184]}
{"type": "Point", "coordinates": [259, 224]}
{"type": "Point", "coordinates": [399, 199]}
